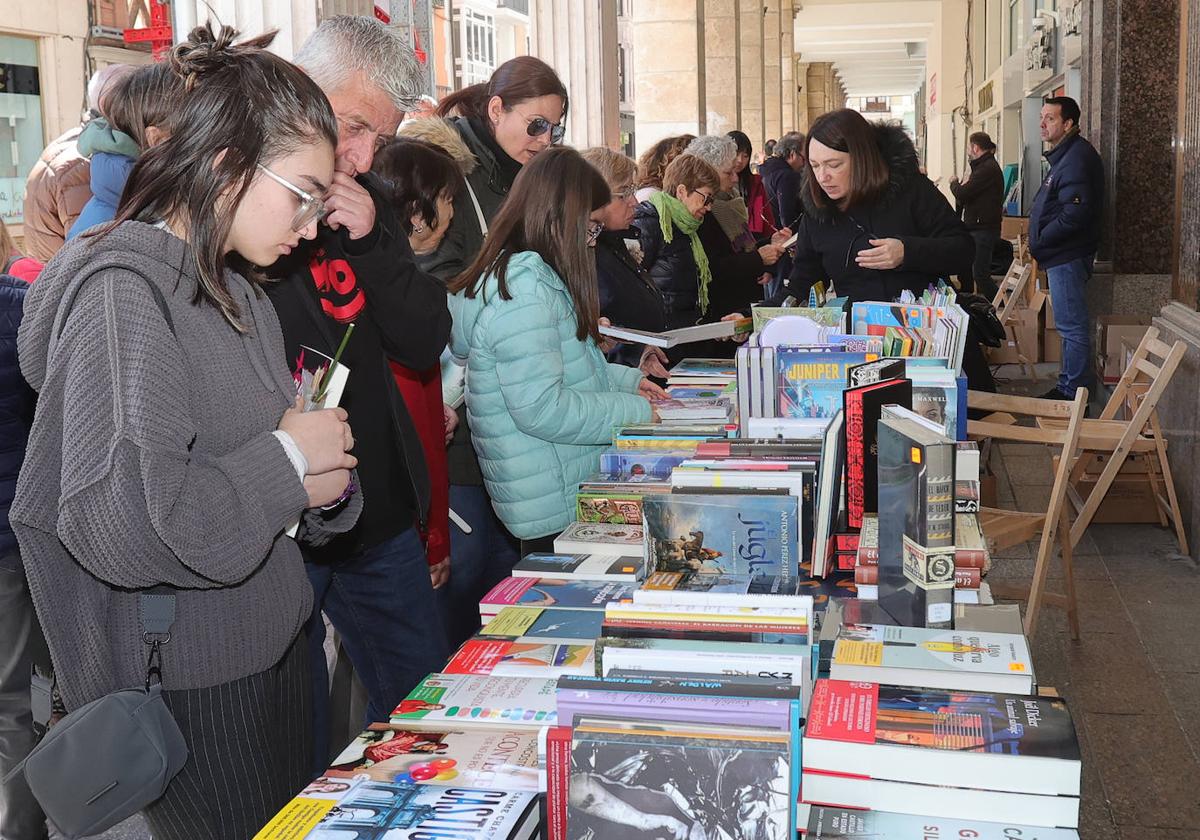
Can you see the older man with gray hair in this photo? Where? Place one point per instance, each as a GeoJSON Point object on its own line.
{"type": "Point", "coordinates": [375, 582]}
{"type": "Point", "coordinates": [738, 273]}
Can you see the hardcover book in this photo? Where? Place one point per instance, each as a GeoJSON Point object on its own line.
{"type": "Point", "coordinates": [723, 534]}
{"type": "Point", "coordinates": [581, 567]}
{"type": "Point", "coordinates": [651, 462]}
{"type": "Point", "coordinates": [879, 370]}
{"type": "Point", "coordinates": [608, 507]}
{"type": "Point", "coordinates": [469, 700]}
{"type": "Point", "coordinates": [484, 758]}
{"type": "Point", "coordinates": [553, 592]}
{"type": "Point", "coordinates": [542, 622]}
{"type": "Point", "coordinates": [916, 521]}
{"type": "Point", "coordinates": [630, 780]}
{"type": "Point", "coordinates": [373, 810]}
{"type": "Point", "coordinates": [862, 408]}
{"type": "Point", "coordinates": [599, 538]}
{"type": "Point", "coordinates": [811, 382]}
{"type": "Point", "coordinates": [991, 741]}
{"type": "Point", "coordinates": [843, 824]}
{"type": "Point", "coordinates": [829, 496]}
{"type": "Point", "coordinates": [950, 659]}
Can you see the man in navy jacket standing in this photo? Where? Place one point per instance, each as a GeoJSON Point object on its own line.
{"type": "Point", "coordinates": [1064, 233]}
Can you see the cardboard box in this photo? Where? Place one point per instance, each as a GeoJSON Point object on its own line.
{"type": "Point", "coordinates": [1110, 332]}
{"type": "Point", "coordinates": [1051, 345]}
{"type": "Point", "coordinates": [1025, 328]}
{"type": "Point", "coordinates": [1128, 500]}
{"type": "Point", "coordinates": [1012, 227]}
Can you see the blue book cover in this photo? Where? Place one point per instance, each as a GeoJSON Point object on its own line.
{"type": "Point", "coordinates": [810, 383]}
{"type": "Point", "coordinates": [723, 534]}
{"type": "Point", "coordinates": [941, 403]}
{"type": "Point", "coordinates": [636, 464]}
{"type": "Point", "coordinates": [548, 592]}
{"type": "Point", "coordinates": [873, 318]}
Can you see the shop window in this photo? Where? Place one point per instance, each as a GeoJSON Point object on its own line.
{"type": "Point", "coordinates": [21, 138]}
{"type": "Point", "coordinates": [1014, 26]}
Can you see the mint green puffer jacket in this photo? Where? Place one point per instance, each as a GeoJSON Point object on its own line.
{"type": "Point", "coordinates": [541, 403]}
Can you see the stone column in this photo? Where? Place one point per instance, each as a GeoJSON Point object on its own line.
{"type": "Point", "coordinates": [578, 38]}
{"type": "Point", "coordinates": [668, 69]}
{"type": "Point", "coordinates": [803, 88]}
{"type": "Point", "coordinates": [721, 88]}
{"type": "Point", "coordinates": [787, 66]}
{"type": "Point", "coordinates": [945, 138]}
{"type": "Point", "coordinates": [752, 79]}
{"type": "Point", "coordinates": [772, 71]}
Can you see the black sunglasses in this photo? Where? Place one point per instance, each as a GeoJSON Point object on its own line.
{"type": "Point", "coordinates": [540, 125]}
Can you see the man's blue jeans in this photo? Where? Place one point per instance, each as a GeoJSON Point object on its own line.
{"type": "Point", "coordinates": [1068, 294]}
{"type": "Point", "coordinates": [478, 560]}
{"type": "Point", "coordinates": [382, 603]}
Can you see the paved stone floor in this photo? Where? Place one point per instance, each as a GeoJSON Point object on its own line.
{"type": "Point", "coordinates": [1132, 680]}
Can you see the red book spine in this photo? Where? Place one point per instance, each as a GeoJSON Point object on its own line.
{"type": "Point", "coordinates": [969, 558]}
{"type": "Point", "coordinates": [846, 560]}
{"type": "Point", "coordinates": [558, 780]}
{"type": "Point", "coordinates": [846, 542]}
{"type": "Point", "coordinates": [967, 578]}
{"type": "Point", "coordinates": [855, 467]}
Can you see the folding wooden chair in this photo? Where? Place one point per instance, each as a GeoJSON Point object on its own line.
{"type": "Point", "coordinates": [1010, 292]}
{"type": "Point", "coordinates": [1006, 528]}
{"type": "Point", "coordinates": [1107, 442]}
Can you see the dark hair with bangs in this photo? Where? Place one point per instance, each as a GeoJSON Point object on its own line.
{"type": "Point", "coordinates": [416, 173]}
{"type": "Point", "coordinates": [848, 131]}
{"type": "Point", "coordinates": [239, 106]}
{"type": "Point", "coordinates": [515, 81]}
{"type": "Point", "coordinates": [547, 211]}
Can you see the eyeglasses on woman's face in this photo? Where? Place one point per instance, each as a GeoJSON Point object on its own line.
{"type": "Point", "coordinates": [537, 126]}
{"type": "Point", "coordinates": [311, 209]}
{"type": "Point", "coordinates": [624, 193]}
{"type": "Point", "coordinates": [709, 198]}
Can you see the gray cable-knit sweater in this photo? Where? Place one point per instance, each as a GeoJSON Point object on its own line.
{"type": "Point", "coordinates": [151, 461]}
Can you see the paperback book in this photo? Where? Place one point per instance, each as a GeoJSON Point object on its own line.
{"type": "Point", "coordinates": [810, 383]}
{"type": "Point", "coordinates": [544, 623]}
{"type": "Point", "coordinates": [732, 534]}
{"type": "Point", "coordinates": [553, 592]}
{"type": "Point", "coordinates": [521, 657]}
{"type": "Point", "coordinates": [692, 656]}
{"type": "Point", "coordinates": [823, 823]}
{"type": "Point", "coordinates": [469, 700]}
{"type": "Point", "coordinates": [580, 567]}
{"type": "Point", "coordinates": [599, 538]}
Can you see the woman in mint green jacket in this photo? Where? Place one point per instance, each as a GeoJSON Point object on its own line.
{"type": "Point", "coordinates": [542, 400]}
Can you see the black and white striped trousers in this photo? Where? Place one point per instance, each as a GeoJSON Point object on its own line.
{"type": "Point", "coordinates": [250, 744]}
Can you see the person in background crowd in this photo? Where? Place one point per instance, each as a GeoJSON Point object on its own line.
{"type": "Point", "coordinates": [421, 180]}
{"type": "Point", "coordinates": [187, 468]}
{"type": "Point", "coordinates": [628, 297]}
{"type": "Point", "coordinates": [749, 186]}
{"type": "Point", "coordinates": [668, 226]}
{"type": "Point", "coordinates": [739, 274]}
{"type": "Point", "coordinates": [782, 175]}
{"type": "Point", "coordinates": [21, 641]}
{"type": "Point", "coordinates": [137, 117]}
{"type": "Point", "coordinates": [981, 201]}
{"type": "Point", "coordinates": [58, 185]}
{"type": "Point", "coordinates": [872, 223]}
{"type": "Point", "coordinates": [504, 124]}
{"type": "Point", "coordinates": [1064, 234]}
{"type": "Point", "coordinates": [541, 398]}
{"type": "Point", "coordinates": [360, 270]}
{"type": "Point", "coordinates": [12, 263]}
{"type": "Point", "coordinates": [654, 162]}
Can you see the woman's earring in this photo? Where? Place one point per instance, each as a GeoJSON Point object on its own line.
{"type": "Point", "coordinates": [418, 228]}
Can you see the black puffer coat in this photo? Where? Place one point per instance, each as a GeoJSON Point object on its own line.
{"type": "Point", "coordinates": [671, 266]}
{"type": "Point", "coordinates": [628, 297]}
{"type": "Point", "coordinates": [936, 242]}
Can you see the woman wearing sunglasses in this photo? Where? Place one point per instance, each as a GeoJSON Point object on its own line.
{"type": "Point", "coordinates": [628, 297]}
{"type": "Point", "coordinates": [541, 398]}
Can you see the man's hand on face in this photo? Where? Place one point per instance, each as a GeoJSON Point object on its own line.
{"type": "Point", "coordinates": [349, 205]}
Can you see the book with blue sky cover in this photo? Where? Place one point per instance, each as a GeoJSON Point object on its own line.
{"type": "Point", "coordinates": [810, 382]}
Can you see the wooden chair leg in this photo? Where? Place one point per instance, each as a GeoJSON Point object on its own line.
{"type": "Point", "coordinates": [1169, 480]}
{"type": "Point", "coordinates": [1041, 569]}
{"type": "Point", "coordinates": [1068, 564]}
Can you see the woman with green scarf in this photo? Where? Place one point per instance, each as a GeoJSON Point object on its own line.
{"type": "Point", "coordinates": [669, 223]}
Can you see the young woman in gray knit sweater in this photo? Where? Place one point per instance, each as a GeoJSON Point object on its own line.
{"type": "Point", "coordinates": [167, 450]}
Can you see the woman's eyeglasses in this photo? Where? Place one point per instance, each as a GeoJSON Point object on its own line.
{"type": "Point", "coordinates": [593, 232]}
{"type": "Point", "coordinates": [311, 209]}
{"type": "Point", "coordinates": [540, 125]}
{"type": "Point", "coordinates": [709, 198]}
{"type": "Point", "coordinates": [625, 193]}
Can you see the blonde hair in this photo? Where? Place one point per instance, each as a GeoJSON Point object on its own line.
{"type": "Point", "coordinates": [8, 248]}
{"type": "Point", "coordinates": [691, 171]}
{"type": "Point", "coordinates": [617, 169]}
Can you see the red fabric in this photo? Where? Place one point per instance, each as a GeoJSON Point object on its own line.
{"type": "Point", "coordinates": [422, 392]}
{"type": "Point", "coordinates": [761, 217]}
{"type": "Point", "coordinates": [26, 268]}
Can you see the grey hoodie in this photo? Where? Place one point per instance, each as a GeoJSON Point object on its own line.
{"type": "Point", "coordinates": [152, 462]}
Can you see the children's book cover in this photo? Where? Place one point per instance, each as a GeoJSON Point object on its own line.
{"type": "Point", "coordinates": [810, 383]}
{"type": "Point", "coordinates": [470, 699]}
{"type": "Point", "coordinates": [649, 463]}
{"type": "Point", "coordinates": [723, 534]}
{"type": "Point", "coordinates": [493, 759]}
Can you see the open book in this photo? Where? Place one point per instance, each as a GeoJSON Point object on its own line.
{"type": "Point", "coordinates": [683, 335]}
{"type": "Point", "coordinates": [320, 382]}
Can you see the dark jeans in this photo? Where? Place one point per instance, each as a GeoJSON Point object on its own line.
{"type": "Point", "coordinates": [21, 817]}
{"type": "Point", "coordinates": [1068, 294]}
{"type": "Point", "coordinates": [382, 603]}
{"type": "Point", "coordinates": [985, 245]}
{"type": "Point", "coordinates": [478, 561]}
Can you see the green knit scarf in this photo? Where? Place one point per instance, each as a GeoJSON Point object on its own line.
{"type": "Point", "coordinates": [672, 213]}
